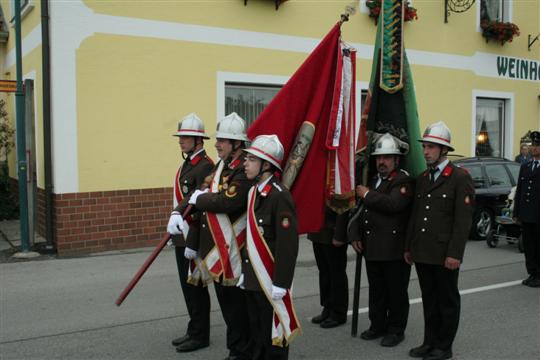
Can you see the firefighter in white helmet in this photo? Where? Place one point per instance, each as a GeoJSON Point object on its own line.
{"type": "Point", "coordinates": [190, 177]}
{"type": "Point", "coordinates": [438, 230]}
{"type": "Point", "coordinates": [378, 231]}
{"type": "Point", "coordinates": [272, 234]}
{"type": "Point", "coordinates": [223, 207]}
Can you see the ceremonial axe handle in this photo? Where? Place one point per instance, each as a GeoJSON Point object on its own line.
{"type": "Point", "coordinates": [147, 264]}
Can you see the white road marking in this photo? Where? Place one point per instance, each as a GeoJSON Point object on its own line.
{"type": "Point", "coordinates": [462, 292]}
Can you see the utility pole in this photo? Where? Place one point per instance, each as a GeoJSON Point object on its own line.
{"type": "Point", "coordinates": [21, 141]}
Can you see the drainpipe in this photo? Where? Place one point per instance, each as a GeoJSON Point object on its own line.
{"type": "Point", "coordinates": [21, 140]}
{"type": "Point", "coordinates": [46, 73]}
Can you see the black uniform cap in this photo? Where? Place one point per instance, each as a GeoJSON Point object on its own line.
{"type": "Point", "coordinates": [535, 137]}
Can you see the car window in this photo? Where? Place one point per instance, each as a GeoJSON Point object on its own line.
{"type": "Point", "coordinates": [476, 173]}
{"type": "Point", "coordinates": [514, 170]}
{"type": "Point", "coordinates": [497, 175]}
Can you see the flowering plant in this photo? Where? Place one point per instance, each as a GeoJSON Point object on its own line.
{"type": "Point", "coordinates": [374, 7]}
{"type": "Point", "coordinates": [499, 31]}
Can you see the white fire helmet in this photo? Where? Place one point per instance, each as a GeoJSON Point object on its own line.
{"type": "Point", "coordinates": [269, 148]}
{"type": "Point", "coordinates": [232, 127]}
{"type": "Point", "coordinates": [438, 133]}
{"type": "Point", "coordinates": [191, 125]}
{"type": "Point", "coordinates": [387, 145]}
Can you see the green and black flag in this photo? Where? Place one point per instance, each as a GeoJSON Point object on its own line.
{"type": "Point", "coordinates": [391, 103]}
{"type": "Point", "coordinates": [390, 108]}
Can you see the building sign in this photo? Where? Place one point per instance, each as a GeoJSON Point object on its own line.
{"type": "Point", "coordinates": [8, 86]}
{"type": "Point", "coordinates": [515, 68]}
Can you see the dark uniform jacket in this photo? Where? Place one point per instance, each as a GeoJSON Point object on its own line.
{"type": "Point", "coordinates": [231, 200]}
{"type": "Point", "coordinates": [441, 216]}
{"type": "Point", "coordinates": [527, 199]}
{"type": "Point", "coordinates": [276, 218]}
{"type": "Point", "coordinates": [382, 222]}
{"type": "Point", "coordinates": [192, 176]}
{"type": "Point", "coordinates": [335, 227]}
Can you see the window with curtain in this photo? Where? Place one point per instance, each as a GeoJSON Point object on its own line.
{"type": "Point", "coordinates": [494, 10]}
{"type": "Point", "coordinates": [489, 127]}
{"type": "Point", "coordinates": [248, 100]}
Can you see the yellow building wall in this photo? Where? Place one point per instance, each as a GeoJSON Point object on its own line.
{"type": "Point", "coordinates": [132, 90]}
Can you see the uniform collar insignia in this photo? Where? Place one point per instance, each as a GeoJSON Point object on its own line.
{"type": "Point", "coordinates": [196, 159]}
{"type": "Point", "coordinates": [391, 176]}
{"type": "Point", "coordinates": [447, 171]}
{"type": "Point", "coordinates": [266, 190]}
{"type": "Point", "coordinates": [234, 164]}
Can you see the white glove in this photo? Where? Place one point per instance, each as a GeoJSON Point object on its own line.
{"type": "Point", "coordinates": [240, 282]}
{"type": "Point", "coordinates": [195, 195]}
{"type": "Point", "coordinates": [278, 293]}
{"type": "Point", "coordinates": [176, 224]}
{"type": "Point", "coordinates": [190, 254]}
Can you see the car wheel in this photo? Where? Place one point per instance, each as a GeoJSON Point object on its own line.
{"type": "Point", "coordinates": [492, 240]}
{"type": "Point", "coordinates": [520, 244]}
{"type": "Point", "coordinates": [482, 224]}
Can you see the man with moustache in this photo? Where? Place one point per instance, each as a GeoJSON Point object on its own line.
{"type": "Point", "coordinates": [222, 231]}
{"type": "Point", "coordinates": [269, 256]}
{"type": "Point", "coordinates": [379, 233]}
{"type": "Point", "coordinates": [527, 211]}
{"type": "Point", "coordinates": [189, 177]}
{"type": "Point", "coordinates": [438, 230]}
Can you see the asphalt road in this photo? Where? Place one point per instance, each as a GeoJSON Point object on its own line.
{"type": "Point", "coordinates": [64, 309]}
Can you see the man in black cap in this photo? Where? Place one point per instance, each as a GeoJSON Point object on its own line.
{"type": "Point", "coordinates": [527, 211]}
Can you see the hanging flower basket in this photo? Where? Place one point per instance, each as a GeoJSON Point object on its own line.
{"type": "Point", "coordinates": [499, 31]}
{"type": "Point", "coordinates": [374, 7]}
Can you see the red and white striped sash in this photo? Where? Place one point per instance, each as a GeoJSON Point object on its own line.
{"type": "Point", "coordinates": [224, 258]}
{"type": "Point", "coordinates": [285, 325]}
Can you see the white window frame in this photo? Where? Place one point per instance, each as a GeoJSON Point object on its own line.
{"type": "Point", "coordinates": [249, 79]}
{"type": "Point", "coordinates": [262, 79]}
{"type": "Point", "coordinates": [508, 5]}
{"type": "Point", "coordinates": [26, 7]}
{"type": "Point", "coordinates": [508, 126]}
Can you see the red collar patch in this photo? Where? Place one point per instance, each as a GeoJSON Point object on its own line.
{"type": "Point", "coordinates": [392, 174]}
{"type": "Point", "coordinates": [447, 171]}
{"type": "Point", "coordinates": [196, 159]}
{"type": "Point", "coordinates": [234, 164]}
{"type": "Point", "coordinates": [266, 189]}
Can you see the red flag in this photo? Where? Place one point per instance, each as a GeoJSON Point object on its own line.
{"type": "Point", "coordinates": [310, 95]}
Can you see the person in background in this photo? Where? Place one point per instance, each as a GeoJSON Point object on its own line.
{"type": "Point", "coordinates": [330, 249]}
{"type": "Point", "coordinates": [524, 155]}
{"type": "Point", "coordinates": [527, 211]}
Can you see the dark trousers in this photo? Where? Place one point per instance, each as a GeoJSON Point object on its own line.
{"type": "Point", "coordinates": [197, 301]}
{"type": "Point", "coordinates": [388, 296]}
{"type": "Point", "coordinates": [531, 245]}
{"type": "Point", "coordinates": [232, 301]}
{"type": "Point", "coordinates": [441, 302]}
{"type": "Point", "coordinates": [333, 283]}
{"type": "Point", "coordinates": [260, 317]}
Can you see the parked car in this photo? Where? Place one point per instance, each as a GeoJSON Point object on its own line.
{"type": "Point", "coordinates": [493, 179]}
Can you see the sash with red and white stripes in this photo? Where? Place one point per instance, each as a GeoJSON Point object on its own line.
{"type": "Point", "coordinates": [224, 258]}
{"type": "Point", "coordinates": [197, 272]}
{"type": "Point", "coordinates": [285, 325]}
